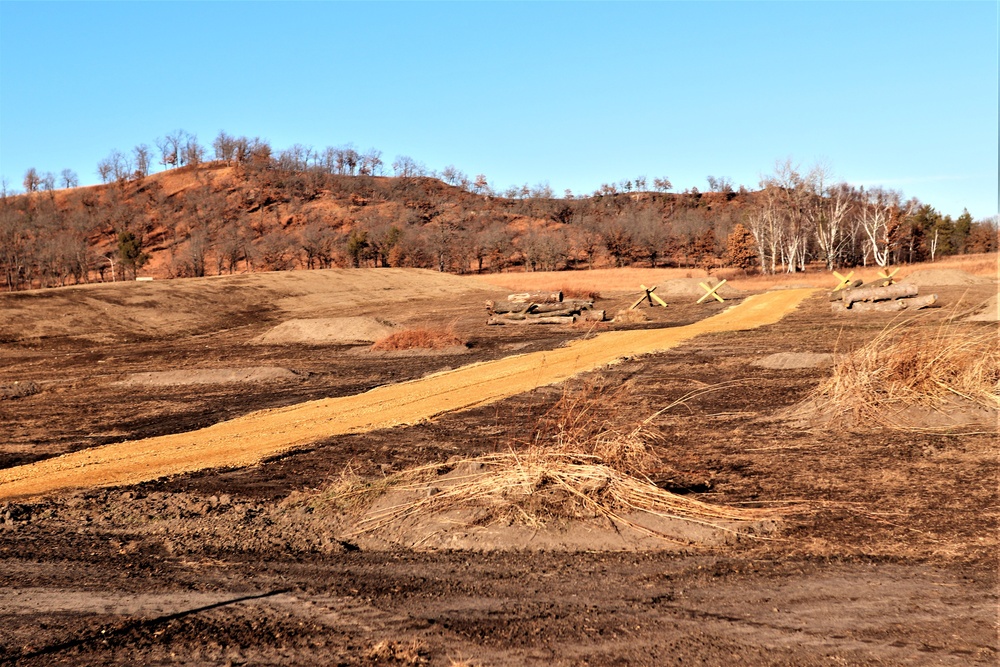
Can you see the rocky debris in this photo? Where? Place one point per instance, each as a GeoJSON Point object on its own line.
{"type": "Point", "coordinates": [18, 389]}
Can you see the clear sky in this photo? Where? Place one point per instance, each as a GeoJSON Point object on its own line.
{"type": "Point", "coordinates": [901, 94]}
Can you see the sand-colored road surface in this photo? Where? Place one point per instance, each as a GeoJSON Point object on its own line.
{"type": "Point", "coordinates": [249, 439]}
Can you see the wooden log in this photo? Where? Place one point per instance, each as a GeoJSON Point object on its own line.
{"type": "Point", "coordinates": [893, 306]}
{"type": "Point", "coordinates": [497, 320]}
{"type": "Point", "coordinates": [898, 291]}
{"type": "Point", "coordinates": [500, 307]}
{"type": "Point", "coordinates": [837, 294]}
{"type": "Point", "coordinates": [562, 312]}
{"type": "Point", "coordinates": [592, 316]}
{"type": "Point", "coordinates": [536, 297]}
{"type": "Point", "coordinates": [507, 307]}
{"type": "Point", "coordinates": [572, 304]}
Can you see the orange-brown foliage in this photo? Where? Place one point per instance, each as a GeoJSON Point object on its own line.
{"type": "Point", "coordinates": [423, 339]}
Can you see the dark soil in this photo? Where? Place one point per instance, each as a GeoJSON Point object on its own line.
{"type": "Point", "coordinates": [890, 557]}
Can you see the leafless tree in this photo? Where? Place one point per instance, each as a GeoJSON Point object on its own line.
{"type": "Point", "coordinates": [662, 184]}
{"type": "Point", "coordinates": [371, 163]}
{"type": "Point", "coordinates": [880, 217]}
{"type": "Point", "coordinates": [193, 153]}
{"type": "Point", "coordinates": [32, 180]}
{"type": "Point", "coordinates": [406, 167]}
{"type": "Point", "coordinates": [69, 179]}
{"type": "Point", "coordinates": [143, 160]}
{"type": "Point", "coordinates": [224, 146]}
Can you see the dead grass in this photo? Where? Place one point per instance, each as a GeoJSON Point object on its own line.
{"type": "Point", "coordinates": [423, 339]}
{"type": "Point", "coordinates": [630, 316]}
{"type": "Point", "coordinates": [905, 366]}
{"type": "Point", "coordinates": [581, 463]}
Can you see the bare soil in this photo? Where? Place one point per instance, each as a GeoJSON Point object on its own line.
{"type": "Point", "coordinates": [891, 560]}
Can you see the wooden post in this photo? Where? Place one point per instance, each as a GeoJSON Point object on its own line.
{"type": "Point", "coordinates": [710, 291]}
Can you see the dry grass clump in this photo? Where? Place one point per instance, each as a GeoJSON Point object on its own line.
{"type": "Point", "coordinates": [424, 339]}
{"type": "Point", "coordinates": [630, 316]}
{"type": "Point", "coordinates": [582, 293]}
{"type": "Point", "coordinates": [578, 465]}
{"type": "Point", "coordinates": [904, 367]}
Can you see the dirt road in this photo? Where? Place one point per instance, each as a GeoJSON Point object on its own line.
{"type": "Point", "coordinates": [254, 437]}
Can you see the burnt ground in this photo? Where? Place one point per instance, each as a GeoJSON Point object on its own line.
{"type": "Point", "coordinates": [889, 557]}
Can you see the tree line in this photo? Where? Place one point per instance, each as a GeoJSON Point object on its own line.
{"type": "Point", "coordinates": [247, 207]}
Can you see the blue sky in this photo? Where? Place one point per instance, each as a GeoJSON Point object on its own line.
{"type": "Point", "coordinates": [899, 94]}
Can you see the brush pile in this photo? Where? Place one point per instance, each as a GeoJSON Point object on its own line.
{"type": "Point", "coordinates": [879, 297]}
{"type": "Point", "coordinates": [541, 308]}
{"type": "Point", "coordinates": [904, 373]}
{"type": "Point", "coordinates": [577, 467]}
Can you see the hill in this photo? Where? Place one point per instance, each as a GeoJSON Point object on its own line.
{"type": "Point", "coordinates": [228, 217]}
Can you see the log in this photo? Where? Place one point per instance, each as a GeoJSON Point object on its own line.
{"type": "Point", "coordinates": [562, 312]}
{"type": "Point", "coordinates": [497, 320]}
{"type": "Point", "coordinates": [536, 297]}
{"type": "Point", "coordinates": [573, 304]}
{"type": "Point", "coordinates": [592, 316]}
{"type": "Point", "coordinates": [508, 307]}
{"type": "Point", "coordinates": [898, 291]}
{"type": "Point", "coordinates": [886, 306]}
{"type": "Point", "coordinates": [837, 294]}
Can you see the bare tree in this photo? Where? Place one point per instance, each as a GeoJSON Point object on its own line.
{"type": "Point", "coordinates": [371, 163]}
{"type": "Point", "coordinates": [406, 167]}
{"type": "Point", "coordinates": [224, 146]}
{"type": "Point", "coordinates": [32, 180]}
{"type": "Point", "coordinates": [880, 217]}
{"type": "Point", "coordinates": [69, 179]}
{"type": "Point", "coordinates": [143, 160]}
{"type": "Point", "coordinates": [662, 184]}
{"type": "Point", "coordinates": [193, 152]}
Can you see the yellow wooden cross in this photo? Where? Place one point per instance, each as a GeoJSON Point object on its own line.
{"type": "Point", "coordinates": [648, 296]}
{"type": "Point", "coordinates": [710, 291]}
{"type": "Point", "coordinates": [844, 281]}
{"type": "Point", "coordinates": [887, 276]}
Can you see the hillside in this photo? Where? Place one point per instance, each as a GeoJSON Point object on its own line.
{"type": "Point", "coordinates": [240, 217]}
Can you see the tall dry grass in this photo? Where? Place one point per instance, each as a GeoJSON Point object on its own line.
{"type": "Point", "coordinates": [906, 366]}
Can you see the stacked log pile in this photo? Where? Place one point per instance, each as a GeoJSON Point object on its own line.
{"type": "Point", "coordinates": [878, 297]}
{"type": "Point", "coordinates": [541, 308]}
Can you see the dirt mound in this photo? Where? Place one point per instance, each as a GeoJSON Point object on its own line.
{"type": "Point", "coordinates": [988, 312]}
{"type": "Point", "coordinates": [939, 277]}
{"type": "Point", "coordinates": [328, 331]}
{"type": "Point", "coordinates": [792, 360]}
{"type": "Point", "coordinates": [539, 499]}
{"type": "Point", "coordinates": [211, 376]}
{"type": "Point", "coordinates": [955, 414]}
{"type": "Point", "coordinates": [690, 287]}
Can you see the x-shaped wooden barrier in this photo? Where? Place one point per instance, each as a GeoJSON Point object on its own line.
{"type": "Point", "coordinates": [650, 297]}
{"type": "Point", "coordinates": [886, 275]}
{"type": "Point", "coordinates": [844, 281]}
{"type": "Point", "coordinates": [710, 291]}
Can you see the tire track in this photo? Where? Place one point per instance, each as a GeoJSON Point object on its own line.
{"type": "Point", "coordinates": [253, 437]}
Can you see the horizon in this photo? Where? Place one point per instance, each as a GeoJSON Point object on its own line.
{"type": "Point", "coordinates": [573, 95]}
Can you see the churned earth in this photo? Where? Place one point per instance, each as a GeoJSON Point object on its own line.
{"type": "Point", "coordinates": [889, 556]}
